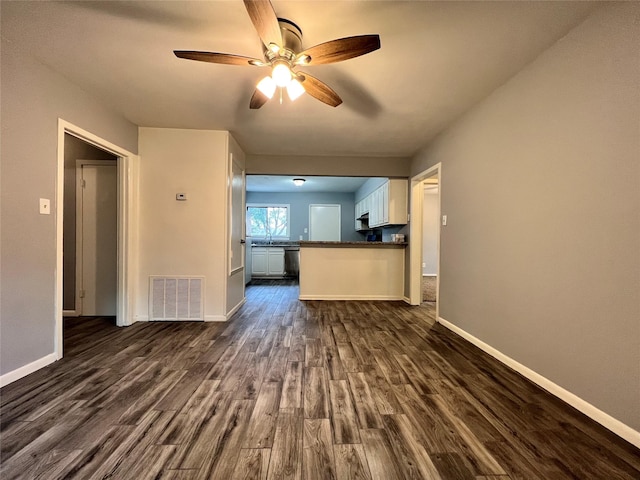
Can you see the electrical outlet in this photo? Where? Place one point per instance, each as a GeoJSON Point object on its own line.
{"type": "Point", "coordinates": [424, 265]}
{"type": "Point", "coordinates": [45, 206]}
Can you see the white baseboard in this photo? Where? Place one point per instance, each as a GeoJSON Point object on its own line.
{"type": "Point", "coordinates": [140, 318]}
{"type": "Point", "coordinates": [604, 419]}
{"type": "Point", "coordinates": [235, 309]}
{"type": "Point", "coordinates": [215, 318]}
{"type": "Point", "coordinates": [351, 297]}
{"type": "Point", "coordinates": [70, 313]}
{"type": "Point", "coordinates": [18, 373]}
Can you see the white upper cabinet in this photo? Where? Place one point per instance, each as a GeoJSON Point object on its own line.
{"type": "Point", "coordinates": [388, 204]}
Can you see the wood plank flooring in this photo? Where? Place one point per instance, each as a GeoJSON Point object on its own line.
{"type": "Point", "coordinates": [293, 390]}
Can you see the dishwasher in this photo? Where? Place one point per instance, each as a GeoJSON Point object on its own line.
{"type": "Point", "coordinates": [292, 261]}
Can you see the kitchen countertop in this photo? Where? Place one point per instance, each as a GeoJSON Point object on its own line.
{"type": "Point", "coordinates": [353, 244]}
{"type": "Point", "coordinates": [275, 244]}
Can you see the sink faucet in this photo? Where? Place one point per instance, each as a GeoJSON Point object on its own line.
{"type": "Point", "coordinates": [270, 238]}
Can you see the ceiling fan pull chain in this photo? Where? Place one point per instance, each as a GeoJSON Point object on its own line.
{"type": "Point", "coordinates": [280, 95]}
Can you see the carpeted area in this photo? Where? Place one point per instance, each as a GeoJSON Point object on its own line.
{"type": "Point", "coordinates": [429, 289]}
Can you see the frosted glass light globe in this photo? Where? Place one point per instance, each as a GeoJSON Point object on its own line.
{"type": "Point", "coordinates": [295, 89]}
{"type": "Point", "coordinates": [267, 86]}
{"type": "Point", "coordinates": [281, 74]}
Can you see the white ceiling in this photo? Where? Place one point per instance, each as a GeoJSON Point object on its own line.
{"type": "Point", "coordinates": [437, 59]}
{"type": "Point", "coordinates": [284, 183]}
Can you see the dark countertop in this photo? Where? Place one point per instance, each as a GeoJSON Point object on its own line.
{"type": "Point", "coordinates": [353, 244]}
{"type": "Point", "coordinates": [278, 243]}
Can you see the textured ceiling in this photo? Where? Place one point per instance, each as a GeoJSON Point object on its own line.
{"type": "Point", "coordinates": [436, 61]}
{"type": "Point", "coordinates": [284, 183]}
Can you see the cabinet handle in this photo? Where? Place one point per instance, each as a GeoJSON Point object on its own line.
{"type": "Point", "coordinates": [243, 241]}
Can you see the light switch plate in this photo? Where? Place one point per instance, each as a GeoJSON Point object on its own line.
{"type": "Point", "coordinates": [45, 206]}
{"type": "Point", "coordinates": [444, 220]}
{"type": "Point", "coordinates": [181, 196]}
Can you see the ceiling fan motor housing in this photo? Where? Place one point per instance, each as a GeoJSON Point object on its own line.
{"type": "Point", "coordinates": [291, 35]}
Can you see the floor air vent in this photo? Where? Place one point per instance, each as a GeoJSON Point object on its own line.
{"type": "Point", "coordinates": [176, 298]}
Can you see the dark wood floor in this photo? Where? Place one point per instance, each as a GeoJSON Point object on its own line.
{"type": "Point", "coordinates": [290, 389]}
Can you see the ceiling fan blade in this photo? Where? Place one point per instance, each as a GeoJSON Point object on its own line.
{"type": "Point", "coordinates": [265, 21]}
{"type": "Point", "coordinates": [339, 50]}
{"type": "Point", "coordinates": [319, 90]}
{"type": "Point", "coordinates": [258, 99]}
{"type": "Point", "coordinates": [214, 57]}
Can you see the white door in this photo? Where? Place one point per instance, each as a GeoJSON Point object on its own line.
{"type": "Point", "coordinates": [324, 222]}
{"type": "Point", "coordinates": [98, 238]}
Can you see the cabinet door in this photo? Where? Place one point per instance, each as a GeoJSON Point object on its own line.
{"type": "Point", "coordinates": [276, 261]}
{"type": "Point", "coordinates": [375, 213]}
{"type": "Point", "coordinates": [384, 203]}
{"type": "Point", "coordinates": [259, 261]}
{"type": "Point", "coordinates": [398, 201]}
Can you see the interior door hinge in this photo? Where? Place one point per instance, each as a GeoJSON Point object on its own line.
{"type": "Point", "coordinates": [81, 293]}
{"type": "Point", "coordinates": [84, 183]}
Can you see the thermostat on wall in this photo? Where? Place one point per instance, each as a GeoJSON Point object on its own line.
{"type": "Point", "coordinates": [181, 196]}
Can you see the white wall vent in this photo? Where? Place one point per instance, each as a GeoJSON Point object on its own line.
{"type": "Point", "coordinates": [176, 298]}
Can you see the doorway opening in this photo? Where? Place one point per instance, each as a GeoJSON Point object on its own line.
{"type": "Point", "coordinates": [281, 213]}
{"type": "Point", "coordinates": [426, 190]}
{"type": "Point", "coordinates": [126, 174]}
{"type": "Point", "coordinates": [430, 231]}
{"type": "Point", "coordinates": [90, 230]}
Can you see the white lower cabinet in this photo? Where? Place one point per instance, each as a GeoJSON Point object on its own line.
{"type": "Point", "coordinates": [267, 262]}
{"type": "Point", "coordinates": [259, 262]}
{"type": "Point", "coordinates": [276, 261]}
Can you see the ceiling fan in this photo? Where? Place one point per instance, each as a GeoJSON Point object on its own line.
{"type": "Point", "coordinates": [283, 52]}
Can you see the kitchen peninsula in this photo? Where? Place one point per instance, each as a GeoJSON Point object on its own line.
{"type": "Point", "coordinates": [352, 270]}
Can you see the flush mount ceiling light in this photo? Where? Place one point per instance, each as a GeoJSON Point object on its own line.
{"type": "Point", "coordinates": [298, 181]}
{"type": "Point", "coordinates": [283, 53]}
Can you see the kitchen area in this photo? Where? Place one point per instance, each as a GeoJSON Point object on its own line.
{"type": "Point", "coordinates": [341, 237]}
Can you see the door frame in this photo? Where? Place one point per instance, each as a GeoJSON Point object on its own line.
{"type": "Point", "coordinates": [128, 177]}
{"type": "Point", "coordinates": [80, 223]}
{"type": "Point", "coordinates": [415, 254]}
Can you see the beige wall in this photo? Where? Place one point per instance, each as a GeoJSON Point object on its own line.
{"type": "Point", "coordinates": [541, 184]}
{"type": "Point", "coordinates": [33, 98]}
{"type": "Point", "coordinates": [183, 237]}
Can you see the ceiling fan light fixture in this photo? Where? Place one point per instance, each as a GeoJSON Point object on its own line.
{"type": "Point", "coordinates": [298, 182]}
{"type": "Point", "coordinates": [282, 42]}
{"type": "Point", "coordinates": [267, 86]}
{"type": "Point", "coordinates": [281, 74]}
{"type": "Point", "coordinates": [295, 89]}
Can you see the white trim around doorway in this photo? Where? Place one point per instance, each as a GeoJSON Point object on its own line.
{"type": "Point", "coordinates": [128, 168]}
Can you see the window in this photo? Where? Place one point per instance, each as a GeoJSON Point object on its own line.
{"type": "Point", "coordinates": [268, 221]}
